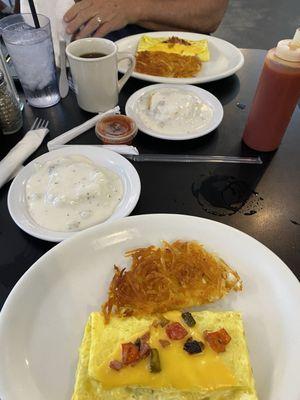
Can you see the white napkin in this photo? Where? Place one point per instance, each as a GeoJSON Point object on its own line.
{"type": "Point", "coordinates": [18, 154]}
{"type": "Point", "coordinates": [61, 140]}
{"type": "Point", "coordinates": [54, 10]}
{"type": "Point", "coordinates": [117, 148]}
{"type": "Point", "coordinates": [78, 130]}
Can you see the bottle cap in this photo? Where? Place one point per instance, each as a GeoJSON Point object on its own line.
{"type": "Point", "coordinates": [289, 49]}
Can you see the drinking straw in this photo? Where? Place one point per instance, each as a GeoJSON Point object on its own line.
{"type": "Point", "coordinates": [34, 14]}
{"type": "Point", "coordinates": [193, 158]}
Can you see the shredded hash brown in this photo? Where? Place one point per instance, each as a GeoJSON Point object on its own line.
{"type": "Point", "coordinates": [173, 276]}
{"type": "Point", "coordinates": [173, 65]}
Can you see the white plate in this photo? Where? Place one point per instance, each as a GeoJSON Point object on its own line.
{"type": "Point", "coordinates": [17, 204]}
{"type": "Point", "coordinates": [225, 59]}
{"type": "Point", "coordinates": [43, 319]}
{"type": "Point", "coordinates": [204, 95]}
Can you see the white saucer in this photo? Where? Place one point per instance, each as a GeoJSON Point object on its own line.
{"type": "Point", "coordinates": [204, 95]}
{"type": "Point", "coordinates": [16, 200]}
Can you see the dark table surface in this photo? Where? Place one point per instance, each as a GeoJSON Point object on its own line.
{"type": "Point", "coordinates": [261, 200]}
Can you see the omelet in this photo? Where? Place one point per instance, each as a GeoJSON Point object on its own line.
{"type": "Point", "coordinates": [183, 47]}
{"type": "Point", "coordinates": [171, 57]}
{"type": "Point", "coordinates": [183, 375]}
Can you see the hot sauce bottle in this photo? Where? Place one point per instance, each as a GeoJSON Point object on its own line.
{"type": "Point", "coordinates": [276, 97]}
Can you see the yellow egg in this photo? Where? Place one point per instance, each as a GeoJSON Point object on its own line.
{"type": "Point", "coordinates": [195, 48]}
{"type": "Point", "coordinates": [183, 376]}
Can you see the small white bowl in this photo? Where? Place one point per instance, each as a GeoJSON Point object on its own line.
{"type": "Point", "coordinates": [16, 199]}
{"type": "Point", "coordinates": [204, 95]}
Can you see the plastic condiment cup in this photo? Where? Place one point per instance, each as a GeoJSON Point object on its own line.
{"type": "Point", "coordinates": [116, 129]}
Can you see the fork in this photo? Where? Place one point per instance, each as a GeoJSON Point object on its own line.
{"type": "Point", "coordinates": [39, 123]}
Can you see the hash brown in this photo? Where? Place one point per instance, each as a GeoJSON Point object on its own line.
{"type": "Point", "coordinates": [174, 276]}
{"type": "Point", "coordinates": [169, 65]}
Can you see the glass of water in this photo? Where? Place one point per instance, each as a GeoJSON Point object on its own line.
{"type": "Point", "coordinates": [32, 54]}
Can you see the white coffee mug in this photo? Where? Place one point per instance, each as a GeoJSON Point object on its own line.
{"type": "Point", "coordinates": [96, 79]}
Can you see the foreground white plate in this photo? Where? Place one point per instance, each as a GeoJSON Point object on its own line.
{"type": "Point", "coordinates": [42, 321]}
{"type": "Point", "coordinates": [225, 59]}
{"type": "Point", "coordinates": [204, 95]}
{"type": "Point", "coordinates": [17, 204]}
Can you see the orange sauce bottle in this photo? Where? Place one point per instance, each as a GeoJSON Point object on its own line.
{"type": "Point", "coordinates": [276, 97]}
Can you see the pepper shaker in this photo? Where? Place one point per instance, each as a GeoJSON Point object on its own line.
{"type": "Point", "coordinates": [6, 69]}
{"type": "Point", "coordinates": [10, 114]}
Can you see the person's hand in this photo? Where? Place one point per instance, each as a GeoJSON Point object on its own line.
{"type": "Point", "coordinates": [98, 17]}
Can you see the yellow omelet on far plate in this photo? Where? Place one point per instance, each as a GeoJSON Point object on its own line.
{"type": "Point", "coordinates": [207, 375]}
{"type": "Point", "coordinates": [186, 48]}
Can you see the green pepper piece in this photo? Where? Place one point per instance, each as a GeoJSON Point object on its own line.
{"type": "Point", "coordinates": [188, 319]}
{"type": "Point", "coordinates": [163, 321]}
{"type": "Point", "coordinates": [154, 361]}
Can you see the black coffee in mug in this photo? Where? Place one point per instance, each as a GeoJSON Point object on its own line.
{"type": "Point", "coordinates": [93, 55]}
{"type": "Point", "coordinates": [96, 79]}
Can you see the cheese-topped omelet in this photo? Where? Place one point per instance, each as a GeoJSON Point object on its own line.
{"type": "Point", "coordinates": [171, 57]}
{"type": "Point", "coordinates": [209, 374]}
{"type": "Point", "coordinates": [183, 47]}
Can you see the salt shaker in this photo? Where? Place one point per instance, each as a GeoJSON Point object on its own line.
{"type": "Point", "coordinates": [10, 114]}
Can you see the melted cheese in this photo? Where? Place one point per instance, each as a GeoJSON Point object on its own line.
{"type": "Point", "coordinates": [179, 369]}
